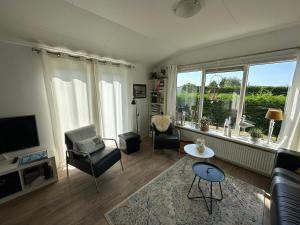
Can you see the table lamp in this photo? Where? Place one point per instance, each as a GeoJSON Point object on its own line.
{"type": "Point", "coordinates": [273, 115]}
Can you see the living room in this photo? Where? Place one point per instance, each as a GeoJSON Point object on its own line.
{"type": "Point", "coordinates": [149, 112]}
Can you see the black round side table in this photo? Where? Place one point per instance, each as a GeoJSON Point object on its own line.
{"type": "Point", "coordinates": [210, 173]}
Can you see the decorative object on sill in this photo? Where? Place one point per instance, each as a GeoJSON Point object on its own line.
{"type": "Point", "coordinates": [227, 127]}
{"type": "Point", "coordinates": [180, 118]}
{"type": "Point", "coordinates": [256, 134]}
{"type": "Point", "coordinates": [200, 143]}
{"type": "Point", "coordinates": [133, 102]}
{"type": "Point", "coordinates": [204, 124]}
{"type": "Point", "coordinates": [273, 115]}
{"type": "Point", "coordinates": [139, 90]}
{"type": "Point", "coordinates": [245, 124]}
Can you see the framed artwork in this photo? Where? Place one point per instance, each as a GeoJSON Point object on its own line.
{"type": "Point", "coordinates": [139, 91]}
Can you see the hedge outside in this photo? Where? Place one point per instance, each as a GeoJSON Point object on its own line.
{"type": "Point", "coordinates": [256, 105]}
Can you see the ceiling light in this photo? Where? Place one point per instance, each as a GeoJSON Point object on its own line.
{"type": "Point", "coordinates": [187, 8]}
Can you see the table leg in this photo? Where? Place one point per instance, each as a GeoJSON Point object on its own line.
{"type": "Point", "coordinates": [207, 199]}
{"type": "Point", "coordinates": [210, 209]}
{"type": "Point", "coordinates": [188, 195]}
{"type": "Point", "coordinates": [184, 165]}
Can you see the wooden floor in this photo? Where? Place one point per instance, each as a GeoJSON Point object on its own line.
{"type": "Point", "coordinates": [74, 200]}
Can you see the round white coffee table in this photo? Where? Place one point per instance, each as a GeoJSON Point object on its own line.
{"type": "Point", "coordinates": [191, 150]}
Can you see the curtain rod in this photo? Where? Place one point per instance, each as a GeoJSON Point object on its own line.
{"type": "Point", "coordinates": [236, 57]}
{"type": "Point", "coordinates": [58, 54]}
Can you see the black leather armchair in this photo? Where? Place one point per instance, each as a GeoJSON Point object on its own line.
{"type": "Point", "coordinates": [285, 189]}
{"type": "Point", "coordinates": [95, 163]}
{"type": "Point", "coordinates": [169, 139]}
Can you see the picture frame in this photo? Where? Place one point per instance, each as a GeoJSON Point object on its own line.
{"type": "Point", "coordinates": [139, 91]}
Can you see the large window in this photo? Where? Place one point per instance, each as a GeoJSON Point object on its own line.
{"type": "Point", "coordinates": [187, 105]}
{"type": "Point", "coordinates": [248, 90]}
{"type": "Point", "coordinates": [267, 87]}
{"type": "Point", "coordinates": [221, 97]}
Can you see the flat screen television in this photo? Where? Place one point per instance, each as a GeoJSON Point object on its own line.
{"type": "Point", "coordinates": [17, 133]}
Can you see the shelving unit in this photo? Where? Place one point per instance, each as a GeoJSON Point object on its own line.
{"type": "Point", "coordinates": [158, 98]}
{"type": "Point", "coordinates": [13, 176]}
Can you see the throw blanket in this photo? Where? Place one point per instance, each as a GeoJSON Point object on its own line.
{"type": "Point", "coordinates": [161, 122]}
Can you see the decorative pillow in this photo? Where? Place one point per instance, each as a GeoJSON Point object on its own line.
{"type": "Point", "coordinates": [161, 122]}
{"type": "Point", "coordinates": [90, 145]}
{"type": "Point", "coordinates": [298, 170]}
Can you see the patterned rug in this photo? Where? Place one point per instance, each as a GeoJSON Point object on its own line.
{"type": "Point", "coordinates": [163, 201]}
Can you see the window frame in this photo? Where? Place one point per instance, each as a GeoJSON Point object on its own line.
{"type": "Point", "coordinates": [243, 89]}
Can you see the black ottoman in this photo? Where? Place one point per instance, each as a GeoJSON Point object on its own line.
{"type": "Point", "coordinates": [129, 142]}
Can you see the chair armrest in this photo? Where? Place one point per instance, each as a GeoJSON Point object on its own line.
{"type": "Point", "coordinates": [85, 155]}
{"type": "Point", "coordinates": [289, 160]}
{"type": "Point", "coordinates": [111, 139]}
{"type": "Point", "coordinates": [76, 153]}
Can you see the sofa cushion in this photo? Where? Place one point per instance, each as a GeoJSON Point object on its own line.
{"type": "Point", "coordinates": [285, 204]}
{"type": "Point", "coordinates": [290, 175]}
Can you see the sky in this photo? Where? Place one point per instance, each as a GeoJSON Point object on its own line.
{"type": "Point", "coordinates": [275, 74]}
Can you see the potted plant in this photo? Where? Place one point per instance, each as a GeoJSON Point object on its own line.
{"type": "Point", "coordinates": [256, 134]}
{"type": "Point", "coordinates": [204, 124]}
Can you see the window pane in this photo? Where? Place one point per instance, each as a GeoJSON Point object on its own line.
{"type": "Point", "coordinates": [187, 104]}
{"type": "Point", "coordinates": [221, 97]}
{"type": "Point", "coordinates": [267, 88]}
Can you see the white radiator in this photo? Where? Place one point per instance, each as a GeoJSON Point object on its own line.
{"type": "Point", "coordinates": [255, 159]}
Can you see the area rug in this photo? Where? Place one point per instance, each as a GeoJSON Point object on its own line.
{"type": "Point", "coordinates": [163, 201]}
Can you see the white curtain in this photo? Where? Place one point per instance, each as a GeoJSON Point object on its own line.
{"type": "Point", "coordinates": [171, 71]}
{"type": "Point", "coordinates": [113, 97]}
{"type": "Point", "coordinates": [289, 136]}
{"type": "Point", "coordinates": [68, 86]}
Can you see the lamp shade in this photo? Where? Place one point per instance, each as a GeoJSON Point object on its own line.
{"type": "Point", "coordinates": [133, 102]}
{"type": "Point", "coordinates": [274, 114]}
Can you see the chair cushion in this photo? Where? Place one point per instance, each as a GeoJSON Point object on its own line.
{"type": "Point", "coordinates": [167, 141]}
{"type": "Point", "coordinates": [78, 135]}
{"type": "Point", "coordinates": [89, 145]}
{"type": "Point", "coordinates": [101, 161]}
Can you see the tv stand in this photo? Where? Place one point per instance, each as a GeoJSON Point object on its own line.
{"type": "Point", "coordinates": [17, 180]}
{"type": "Point", "coordinates": [4, 157]}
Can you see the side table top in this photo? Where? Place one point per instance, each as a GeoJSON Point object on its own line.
{"type": "Point", "coordinates": [208, 171]}
{"type": "Point", "coordinates": [191, 150]}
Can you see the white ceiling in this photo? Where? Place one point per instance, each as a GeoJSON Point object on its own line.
{"type": "Point", "coordinates": [143, 31]}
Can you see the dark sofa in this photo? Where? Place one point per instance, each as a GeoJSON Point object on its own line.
{"type": "Point", "coordinates": [285, 189]}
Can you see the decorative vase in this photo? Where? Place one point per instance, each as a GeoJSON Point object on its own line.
{"type": "Point", "coordinates": [204, 127]}
{"type": "Point", "coordinates": [255, 139]}
{"type": "Point", "coordinates": [200, 145]}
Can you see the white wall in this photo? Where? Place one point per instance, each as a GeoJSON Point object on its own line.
{"type": "Point", "coordinates": [275, 40]}
{"type": "Point", "coordinates": [139, 75]}
{"type": "Point", "coordinates": [22, 90]}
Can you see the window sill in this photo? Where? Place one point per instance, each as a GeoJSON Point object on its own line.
{"type": "Point", "coordinates": [262, 145]}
